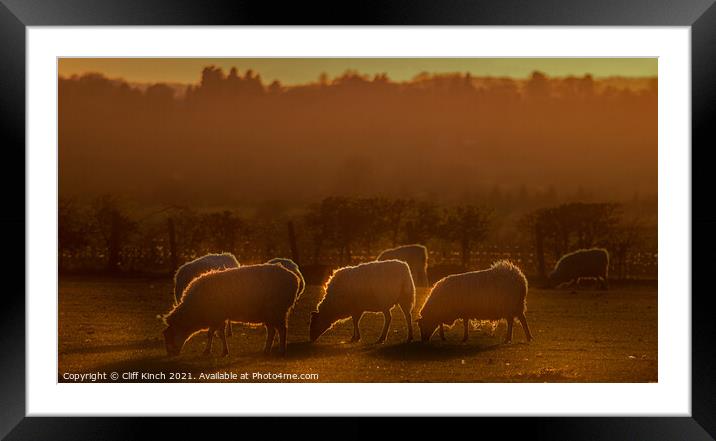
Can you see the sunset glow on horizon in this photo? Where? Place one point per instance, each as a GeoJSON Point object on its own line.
{"type": "Point", "coordinates": [304, 70]}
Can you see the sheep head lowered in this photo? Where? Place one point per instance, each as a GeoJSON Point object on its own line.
{"type": "Point", "coordinates": [174, 338]}
{"type": "Point", "coordinates": [320, 323]}
{"type": "Point", "coordinates": [584, 263]}
{"type": "Point", "coordinates": [427, 328]}
{"type": "Point", "coordinates": [554, 278]}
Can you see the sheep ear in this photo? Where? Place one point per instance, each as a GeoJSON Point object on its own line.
{"type": "Point", "coordinates": [162, 318]}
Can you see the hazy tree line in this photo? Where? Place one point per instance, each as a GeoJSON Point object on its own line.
{"type": "Point", "coordinates": [102, 235]}
{"type": "Point", "coordinates": [233, 139]}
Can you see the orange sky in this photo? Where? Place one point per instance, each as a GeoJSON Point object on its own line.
{"type": "Point", "coordinates": [302, 70]}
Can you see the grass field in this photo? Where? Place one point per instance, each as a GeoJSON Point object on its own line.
{"type": "Point", "coordinates": [110, 325]}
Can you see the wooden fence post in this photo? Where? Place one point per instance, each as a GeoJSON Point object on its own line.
{"type": "Point", "coordinates": [539, 237]}
{"type": "Point", "coordinates": [292, 243]}
{"type": "Point", "coordinates": [172, 245]}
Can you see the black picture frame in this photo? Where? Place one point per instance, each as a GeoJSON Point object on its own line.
{"type": "Point", "coordinates": [16, 15]}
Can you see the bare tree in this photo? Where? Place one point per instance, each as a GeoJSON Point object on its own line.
{"type": "Point", "coordinates": [531, 225]}
{"type": "Point", "coordinates": [423, 223]}
{"type": "Point", "coordinates": [114, 227]}
{"type": "Point", "coordinates": [396, 211]}
{"type": "Point", "coordinates": [223, 230]}
{"type": "Point", "coordinates": [342, 223]}
{"type": "Point", "coordinates": [625, 237]}
{"type": "Point", "coordinates": [467, 225]}
{"type": "Point", "coordinates": [570, 226]}
{"type": "Point", "coordinates": [71, 230]}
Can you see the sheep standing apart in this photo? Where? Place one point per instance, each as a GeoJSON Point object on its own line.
{"type": "Point", "coordinates": [252, 294]}
{"type": "Point", "coordinates": [492, 294]}
{"type": "Point", "coordinates": [291, 266]}
{"type": "Point", "coordinates": [581, 264]}
{"type": "Point", "coordinates": [193, 269]}
{"type": "Point", "coordinates": [368, 287]}
{"type": "Point", "coordinates": [416, 256]}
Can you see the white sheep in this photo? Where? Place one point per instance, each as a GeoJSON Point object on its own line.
{"type": "Point", "coordinates": [193, 269]}
{"type": "Point", "coordinates": [492, 294]}
{"type": "Point", "coordinates": [581, 264]}
{"type": "Point", "coordinates": [262, 294]}
{"type": "Point", "coordinates": [416, 256]}
{"type": "Point", "coordinates": [291, 266]}
{"type": "Point", "coordinates": [368, 287]}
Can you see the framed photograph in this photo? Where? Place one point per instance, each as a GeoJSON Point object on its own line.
{"type": "Point", "coordinates": [464, 211]}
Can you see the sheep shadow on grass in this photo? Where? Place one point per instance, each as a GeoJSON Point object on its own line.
{"type": "Point", "coordinates": [307, 350]}
{"type": "Point", "coordinates": [432, 351]}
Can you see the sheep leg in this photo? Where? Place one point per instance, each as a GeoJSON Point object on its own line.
{"type": "Point", "coordinates": [441, 331]}
{"type": "Point", "coordinates": [282, 338]}
{"type": "Point", "coordinates": [229, 332]}
{"type": "Point", "coordinates": [225, 346]}
{"type": "Point", "coordinates": [523, 321]}
{"type": "Point", "coordinates": [408, 321]}
{"type": "Point", "coordinates": [356, 330]}
{"type": "Point", "coordinates": [270, 335]}
{"type": "Point", "coordinates": [466, 326]}
{"type": "Point", "coordinates": [605, 284]}
{"type": "Point", "coordinates": [386, 325]}
{"type": "Point", "coordinates": [510, 322]}
{"type": "Point", "coordinates": [210, 333]}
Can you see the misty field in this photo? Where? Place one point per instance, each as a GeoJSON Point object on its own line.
{"type": "Point", "coordinates": [110, 325]}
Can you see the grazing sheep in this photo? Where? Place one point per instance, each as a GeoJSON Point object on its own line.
{"type": "Point", "coordinates": [291, 266]}
{"type": "Point", "coordinates": [492, 294]}
{"type": "Point", "coordinates": [581, 264]}
{"type": "Point", "coordinates": [416, 256]}
{"type": "Point", "coordinates": [191, 270]}
{"type": "Point", "coordinates": [368, 287]}
{"type": "Point", "coordinates": [251, 294]}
